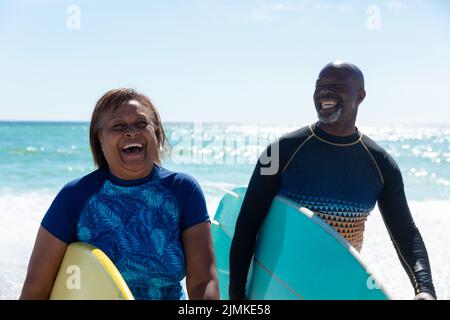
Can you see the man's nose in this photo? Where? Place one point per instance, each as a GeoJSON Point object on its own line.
{"type": "Point", "coordinates": [324, 91]}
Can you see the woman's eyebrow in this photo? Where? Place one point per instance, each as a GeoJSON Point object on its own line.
{"type": "Point", "coordinates": [139, 117]}
{"type": "Point", "coordinates": [115, 119]}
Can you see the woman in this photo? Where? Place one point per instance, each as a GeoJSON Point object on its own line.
{"type": "Point", "coordinates": [151, 222]}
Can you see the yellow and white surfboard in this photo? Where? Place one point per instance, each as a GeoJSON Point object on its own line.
{"type": "Point", "coordinates": [86, 273]}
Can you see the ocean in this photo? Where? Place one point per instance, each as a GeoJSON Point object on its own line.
{"type": "Point", "coordinates": [38, 158]}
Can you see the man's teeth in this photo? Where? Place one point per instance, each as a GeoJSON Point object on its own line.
{"type": "Point", "coordinates": [329, 104]}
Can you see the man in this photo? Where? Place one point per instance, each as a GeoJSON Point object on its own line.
{"type": "Point", "coordinates": [334, 170]}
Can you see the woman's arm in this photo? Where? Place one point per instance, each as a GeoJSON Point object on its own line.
{"type": "Point", "coordinates": [43, 267]}
{"type": "Point", "coordinates": [201, 275]}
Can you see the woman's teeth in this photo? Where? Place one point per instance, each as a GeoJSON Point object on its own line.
{"type": "Point", "coordinates": [139, 145]}
{"type": "Point", "coordinates": [132, 147]}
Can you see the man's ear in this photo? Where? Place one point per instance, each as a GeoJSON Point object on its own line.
{"type": "Point", "coordinates": [362, 95]}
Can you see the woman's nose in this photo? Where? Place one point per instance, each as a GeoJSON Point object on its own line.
{"type": "Point", "coordinates": [131, 131]}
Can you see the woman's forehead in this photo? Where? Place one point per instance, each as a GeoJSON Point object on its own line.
{"type": "Point", "coordinates": [128, 109]}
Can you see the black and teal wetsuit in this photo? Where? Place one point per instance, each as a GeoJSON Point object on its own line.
{"type": "Point", "coordinates": [341, 179]}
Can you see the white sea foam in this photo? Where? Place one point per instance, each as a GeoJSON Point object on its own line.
{"type": "Point", "coordinates": [20, 216]}
{"type": "Point", "coordinates": [433, 220]}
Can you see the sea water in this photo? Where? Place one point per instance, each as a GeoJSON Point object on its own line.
{"type": "Point", "coordinates": [38, 158]}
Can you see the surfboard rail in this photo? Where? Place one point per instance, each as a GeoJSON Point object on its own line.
{"type": "Point", "coordinates": [86, 273]}
{"type": "Point", "coordinates": [223, 230]}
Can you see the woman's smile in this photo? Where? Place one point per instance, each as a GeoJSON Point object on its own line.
{"type": "Point", "coordinates": [132, 151]}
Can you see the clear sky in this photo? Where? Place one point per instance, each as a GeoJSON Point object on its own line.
{"type": "Point", "coordinates": [223, 60]}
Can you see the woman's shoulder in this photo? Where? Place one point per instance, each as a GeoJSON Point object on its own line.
{"type": "Point", "coordinates": [90, 182]}
{"type": "Point", "coordinates": [178, 180]}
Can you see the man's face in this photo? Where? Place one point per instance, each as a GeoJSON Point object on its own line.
{"type": "Point", "coordinates": [337, 96]}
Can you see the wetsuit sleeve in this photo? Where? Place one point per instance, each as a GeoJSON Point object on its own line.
{"type": "Point", "coordinates": [402, 229]}
{"type": "Point", "coordinates": [257, 201]}
{"type": "Point", "coordinates": [193, 204]}
{"type": "Point", "coordinates": [264, 185]}
{"type": "Point", "coordinates": [59, 220]}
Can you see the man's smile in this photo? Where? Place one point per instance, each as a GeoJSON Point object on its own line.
{"type": "Point", "coordinates": [329, 105]}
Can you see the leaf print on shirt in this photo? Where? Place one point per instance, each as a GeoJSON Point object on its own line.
{"type": "Point", "coordinates": [138, 228]}
{"type": "Point", "coordinates": [173, 258]}
{"type": "Point", "coordinates": [154, 198]}
{"type": "Point", "coordinates": [84, 233]}
{"type": "Point", "coordinates": [159, 241]}
{"type": "Point", "coordinates": [107, 216]}
{"type": "Point", "coordinates": [112, 191]}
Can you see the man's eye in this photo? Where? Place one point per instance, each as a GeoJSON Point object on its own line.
{"type": "Point", "coordinates": [332, 86]}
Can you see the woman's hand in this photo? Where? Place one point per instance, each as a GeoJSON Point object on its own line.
{"type": "Point", "coordinates": [201, 275]}
{"type": "Point", "coordinates": [43, 267]}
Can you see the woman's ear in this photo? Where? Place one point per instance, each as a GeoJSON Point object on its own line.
{"type": "Point", "coordinates": [100, 139]}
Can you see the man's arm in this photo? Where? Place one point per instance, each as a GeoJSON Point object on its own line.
{"type": "Point", "coordinates": [264, 185]}
{"type": "Point", "coordinates": [404, 234]}
{"type": "Point", "coordinates": [257, 201]}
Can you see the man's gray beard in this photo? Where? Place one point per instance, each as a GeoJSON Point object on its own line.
{"type": "Point", "coordinates": [330, 118]}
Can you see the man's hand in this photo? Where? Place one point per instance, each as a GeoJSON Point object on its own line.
{"type": "Point", "coordinates": [424, 296]}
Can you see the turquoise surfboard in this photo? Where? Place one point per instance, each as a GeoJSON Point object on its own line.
{"type": "Point", "coordinates": [298, 256]}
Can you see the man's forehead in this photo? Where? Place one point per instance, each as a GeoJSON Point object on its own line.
{"type": "Point", "coordinates": [336, 74]}
{"type": "Point", "coordinates": [341, 72]}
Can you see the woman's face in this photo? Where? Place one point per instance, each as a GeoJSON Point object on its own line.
{"type": "Point", "coordinates": [128, 141]}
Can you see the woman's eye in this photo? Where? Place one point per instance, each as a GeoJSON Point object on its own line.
{"type": "Point", "coordinates": [142, 124]}
{"type": "Point", "coordinates": [118, 127]}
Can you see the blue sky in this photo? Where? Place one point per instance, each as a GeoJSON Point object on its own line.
{"type": "Point", "coordinates": [224, 60]}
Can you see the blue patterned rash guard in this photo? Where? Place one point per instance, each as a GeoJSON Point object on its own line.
{"type": "Point", "coordinates": [136, 223]}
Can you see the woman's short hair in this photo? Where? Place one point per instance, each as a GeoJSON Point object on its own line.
{"type": "Point", "coordinates": [111, 101]}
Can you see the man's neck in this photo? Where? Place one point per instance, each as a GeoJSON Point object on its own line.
{"type": "Point", "coordinates": [342, 130]}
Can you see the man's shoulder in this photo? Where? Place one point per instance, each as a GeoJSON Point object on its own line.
{"type": "Point", "coordinates": [381, 156]}
{"type": "Point", "coordinates": [301, 133]}
{"type": "Point", "coordinates": [373, 147]}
